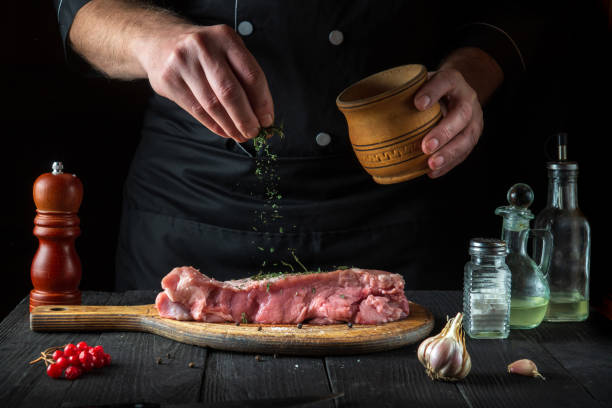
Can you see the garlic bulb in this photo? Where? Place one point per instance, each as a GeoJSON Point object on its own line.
{"type": "Point", "coordinates": [524, 367]}
{"type": "Point", "coordinates": [445, 356]}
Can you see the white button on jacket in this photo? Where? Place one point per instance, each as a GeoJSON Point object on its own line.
{"type": "Point", "coordinates": [323, 139]}
{"type": "Point", "coordinates": [336, 37]}
{"type": "Point", "coordinates": [245, 28]}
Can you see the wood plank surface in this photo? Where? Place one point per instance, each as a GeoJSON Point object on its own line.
{"type": "Point", "coordinates": [134, 375]}
{"type": "Point", "coordinates": [584, 350]}
{"type": "Point", "coordinates": [303, 339]}
{"type": "Point", "coordinates": [237, 376]}
{"type": "Point", "coordinates": [24, 385]}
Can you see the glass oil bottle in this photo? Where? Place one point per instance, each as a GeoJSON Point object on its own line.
{"type": "Point", "coordinates": [530, 290]}
{"type": "Point", "coordinates": [570, 263]}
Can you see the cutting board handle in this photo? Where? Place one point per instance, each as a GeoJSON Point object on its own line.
{"type": "Point", "coordinates": [96, 318]}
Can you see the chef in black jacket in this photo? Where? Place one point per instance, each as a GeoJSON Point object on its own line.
{"type": "Point", "coordinates": [222, 69]}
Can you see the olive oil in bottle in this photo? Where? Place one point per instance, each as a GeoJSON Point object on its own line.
{"type": "Point", "coordinates": [527, 312]}
{"type": "Point", "coordinates": [567, 307]}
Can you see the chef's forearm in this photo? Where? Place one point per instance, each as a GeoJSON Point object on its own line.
{"type": "Point", "coordinates": [478, 68]}
{"type": "Point", "coordinates": [116, 36]}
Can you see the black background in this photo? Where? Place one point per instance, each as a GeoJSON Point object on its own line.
{"type": "Point", "coordinates": [91, 124]}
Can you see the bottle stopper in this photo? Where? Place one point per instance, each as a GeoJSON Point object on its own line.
{"type": "Point", "coordinates": [56, 267]}
{"type": "Point", "coordinates": [517, 214]}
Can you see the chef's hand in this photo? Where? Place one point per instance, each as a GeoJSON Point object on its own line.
{"type": "Point", "coordinates": [466, 79]}
{"type": "Point", "coordinates": [208, 71]}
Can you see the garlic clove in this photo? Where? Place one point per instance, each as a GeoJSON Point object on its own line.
{"type": "Point", "coordinates": [423, 348]}
{"type": "Point", "coordinates": [444, 356]}
{"type": "Point", "coordinates": [524, 367]}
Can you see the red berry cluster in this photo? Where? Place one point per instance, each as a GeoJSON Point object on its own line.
{"type": "Point", "coordinates": [73, 360]}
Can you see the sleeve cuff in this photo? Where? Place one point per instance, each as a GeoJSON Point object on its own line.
{"type": "Point", "coordinates": [498, 44]}
{"type": "Point", "coordinates": [66, 10]}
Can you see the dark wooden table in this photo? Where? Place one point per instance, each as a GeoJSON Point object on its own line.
{"type": "Point", "coordinates": [575, 358]}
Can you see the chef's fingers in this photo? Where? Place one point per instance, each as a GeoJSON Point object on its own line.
{"type": "Point", "coordinates": [207, 101]}
{"type": "Point", "coordinates": [184, 97]}
{"type": "Point", "coordinates": [228, 97]}
{"type": "Point", "coordinates": [440, 83]}
{"type": "Point", "coordinates": [226, 87]}
{"type": "Point", "coordinates": [254, 82]}
{"type": "Point", "coordinates": [461, 109]}
{"type": "Point", "coordinates": [455, 152]}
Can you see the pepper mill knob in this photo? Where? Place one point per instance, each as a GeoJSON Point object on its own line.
{"type": "Point", "coordinates": [56, 267]}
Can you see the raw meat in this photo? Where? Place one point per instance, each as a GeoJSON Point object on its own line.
{"type": "Point", "coordinates": [363, 296]}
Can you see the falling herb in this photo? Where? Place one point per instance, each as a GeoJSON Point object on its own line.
{"type": "Point", "coordinates": [292, 251]}
{"type": "Point", "coordinates": [342, 296]}
{"type": "Point", "coordinates": [266, 173]}
{"type": "Point", "coordinates": [243, 318]}
{"type": "Point", "coordinates": [268, 287]}
{"type": "Point", "coordinates": [288, 265]}
{"type": "Point", "coordinates": [313, 290]}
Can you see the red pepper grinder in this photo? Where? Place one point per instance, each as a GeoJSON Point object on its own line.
{"type": "Point", "coordinates": [56, 267]}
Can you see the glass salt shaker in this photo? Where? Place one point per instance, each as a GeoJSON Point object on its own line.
{"type": "Point", "coordinates": [571, 232]}
{"type": "Point", "coordinates": [486, 290]}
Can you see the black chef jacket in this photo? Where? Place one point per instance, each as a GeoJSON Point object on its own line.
{"type": "Point", "coordinates": [191, 197]}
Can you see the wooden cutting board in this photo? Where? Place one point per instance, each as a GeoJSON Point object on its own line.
{"type": "Point", "coordinates": [281, 339]}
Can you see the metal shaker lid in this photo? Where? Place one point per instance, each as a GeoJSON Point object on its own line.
{"type": "Point", "coordinates": [487, 246]}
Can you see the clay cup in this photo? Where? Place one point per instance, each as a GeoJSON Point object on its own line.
{"type": "Point", "coordinates": [385, 128]}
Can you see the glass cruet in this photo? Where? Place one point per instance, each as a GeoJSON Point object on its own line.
{"type": "Point", "coordinates": [530, 292]}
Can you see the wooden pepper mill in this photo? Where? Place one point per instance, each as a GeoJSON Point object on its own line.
{"type": "Point", "coordinates": [56, 267]}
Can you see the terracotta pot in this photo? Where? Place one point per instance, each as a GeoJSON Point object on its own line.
{"type": "Point", "coordinates": [385, 127]}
